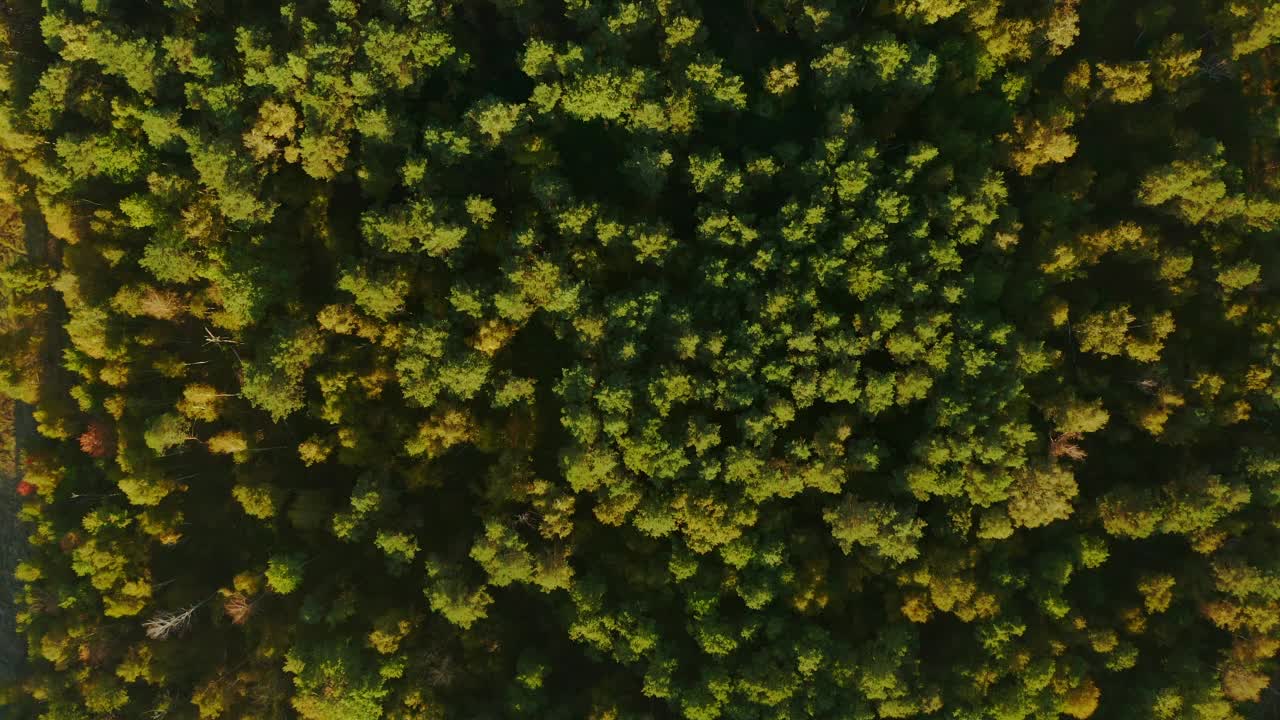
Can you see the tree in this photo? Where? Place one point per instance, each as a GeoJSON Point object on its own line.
{"type": "Point", "coordinates": [333, 681]}
{"type": "Point", "coordinates": [1034, 143]}
{"type": "Point", "coordinates": [284, 573]}
{"type": "Point", "coordinates": [1261, 29]}
{"type": "Point", "coordinates": [96, 441]}
{"type": "Point", "coordinates": [1040, 496]}
{"type": "Point", "coordinates": [789, 359]}
{"type": "Point", "coordinates": [167, 431]}
{"type": "Point", "coordinates": [1125, 82]}
{"type": "Point", "coordinates": [875, 525]}
{"type": "Point", "coordinates": [1193, 189]}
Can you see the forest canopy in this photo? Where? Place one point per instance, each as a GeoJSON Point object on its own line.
{"type": "Point", "coordinates": [633, 360]}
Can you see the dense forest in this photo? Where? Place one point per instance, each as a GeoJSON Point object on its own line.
{"type": "Point", "coordinates": [634, 360]}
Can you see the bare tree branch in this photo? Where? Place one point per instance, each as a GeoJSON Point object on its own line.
{"type": "Point", "coordinates": [163, 624]}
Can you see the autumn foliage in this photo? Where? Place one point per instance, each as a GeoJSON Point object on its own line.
{"type": "Point", "coordinates": [96, 441]}
{"type": "Point", "coordinates": [774, 359]}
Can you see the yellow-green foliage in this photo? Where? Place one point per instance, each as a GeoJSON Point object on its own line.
{"type": "Point", "coordinates": [624, 359]}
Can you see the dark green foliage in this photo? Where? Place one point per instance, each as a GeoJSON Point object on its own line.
{"type": "Point", "coordinates": [604, 359]}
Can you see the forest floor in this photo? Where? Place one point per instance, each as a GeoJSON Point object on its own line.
{"type": "Point", "coordinates": [18, 431]}
{"type": "Point", "coordinates": [13, 416]}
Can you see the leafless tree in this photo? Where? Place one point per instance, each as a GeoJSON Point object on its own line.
{"type": "Point", "coordinates": [1217, 68]}
{"type": "Point", "coordinates": [1065, 445]}
{"type": "Point", "coordinates": [161, 708]}
{"type": "Point", "coordinates": [440, 671]}
{"type": "Point", "coordinates": [211, 338]}
{"type": "Point", "coordinates": [238, 608]}
{"type": "Point", "coordinates": [529, 519]}
{"type": "Point", "coordinates": [1147, 385]}
{"type": "Point", "coordinates": [163, 624]}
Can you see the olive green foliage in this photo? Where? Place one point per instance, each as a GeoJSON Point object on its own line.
{"type": "Point", "coordinates": [638, 359]}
